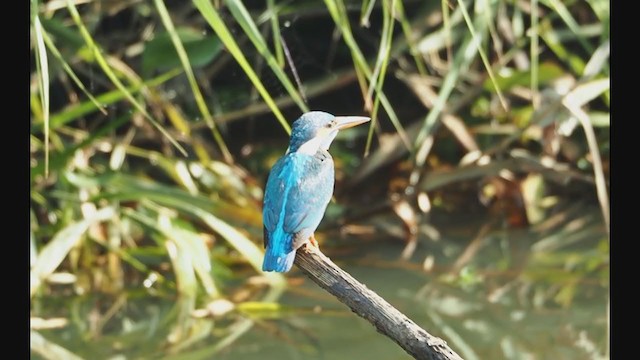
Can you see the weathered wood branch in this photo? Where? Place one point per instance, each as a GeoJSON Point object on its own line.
{"type": "Point", "coordinates": [370, 306]}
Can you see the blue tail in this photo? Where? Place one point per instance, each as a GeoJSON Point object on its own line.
{"type": "Point", "coordinates": [276, 259]}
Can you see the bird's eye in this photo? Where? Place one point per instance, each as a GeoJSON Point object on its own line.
{"type": "Point", "coordinates": [330, 124]}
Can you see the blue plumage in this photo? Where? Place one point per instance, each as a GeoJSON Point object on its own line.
{"type": "Point", "coordinates": [298, 192]}
{"type": "Point", "coordinates": [299, 187]}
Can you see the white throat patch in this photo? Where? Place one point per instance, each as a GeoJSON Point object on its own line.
{"type": "Point", "coordinates": [322, 140]}
{"type": "Point", "coordinates": [310, 147]}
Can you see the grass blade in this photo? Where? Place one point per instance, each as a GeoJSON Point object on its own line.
{"type": "Point", "coordinates": [443, 37]}
{"type": "Point", "coordinates": [215, 21]}
{"type": "Point", "coordinates": [187, 251]}
{"type": "Point", "coordinates": [238, 241]}
{"type": "Point", "coordinates": [54, 50]}
{"type": "Point", "coordinates": [367, 8]}
{"type": "Point", "coordinates": [62, 158]}
{"type": "Point", "coordinates": [572, 24]}
{"type": "Point", "coordinates": [461, 62]}
{"type": "Point", "coordinates": [272, 9]}
{"type": "Point", "coordinates": [87, 107]}
{"type": "Point", "coordinates": [102, 62]}
{"type": "Point", "coordinates": [57, 249]}
{"type": "Point", "coordinates": [338, 14]}
{"type": "Point", "coordinates": [183, 268]}
{"type": "Point", "coordinates": [186, 65]}
{"type": "Point", "coordinates": [588, 91]}
{"type": "Point", "coordinates": [33, 251]}
{"type": "Point", "coordinates": [124, 188]}
{"type": "Point", "coordinates": [534, 53]}
{"type": "Point", "coordinates": [574, 101]}
{"type": "Point", "coordinates": [243, 18]}
{"type": "Point", "coordinates": [483, 56]}
{"type": "Point", "coordinates": [42, 67]}
{"type": "Point", "coordinates": [377, 78]}
{"type": "Point", "coordinates": [190, 244]}
{"type": "Point", "coordinates": [408, 34]}
{"type": "Point", "coordinates": [598, 61]}
{"type": "Point", "coordinates": [446, 28]}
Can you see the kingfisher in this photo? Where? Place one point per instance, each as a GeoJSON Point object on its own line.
{"type": "Point", "coordinates": [300, 186]}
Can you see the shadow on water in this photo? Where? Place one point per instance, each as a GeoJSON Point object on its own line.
{"type": "Point", "coordinates": [539, 293]}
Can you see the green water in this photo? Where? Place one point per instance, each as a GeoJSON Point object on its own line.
{"type": "Point", "coordinates": [525, 294]}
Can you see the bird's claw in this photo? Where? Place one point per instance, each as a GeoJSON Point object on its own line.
{"type": "Point", "coordinates": [313, 241]}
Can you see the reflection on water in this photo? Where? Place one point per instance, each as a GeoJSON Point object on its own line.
{"type": "Point", "coordinates": [536, 294]}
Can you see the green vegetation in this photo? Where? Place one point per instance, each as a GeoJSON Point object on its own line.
{"type": "Point", "coordinates": [154, 124]}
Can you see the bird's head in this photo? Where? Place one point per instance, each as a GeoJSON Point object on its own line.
{"type": "Point", "coordinates": [316, 130]}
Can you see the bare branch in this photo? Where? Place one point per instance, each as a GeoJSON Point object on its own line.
{"type": "Point", "coordinates": [370, 306]}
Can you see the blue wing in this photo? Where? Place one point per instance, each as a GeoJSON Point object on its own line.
{"type": "Point", "coordinates": [297, 193]}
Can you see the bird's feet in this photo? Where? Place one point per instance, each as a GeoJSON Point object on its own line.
{"type": "Point", "coordinates": [313, 241]}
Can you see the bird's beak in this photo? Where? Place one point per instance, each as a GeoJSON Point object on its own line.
{"type": "Point", "coordinates": [345, 122]}
{"type": "Point", "coordinates": [326, 135]}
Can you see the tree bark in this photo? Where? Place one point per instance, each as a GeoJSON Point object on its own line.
{"type": "Point", "coordinates": [370, 306]}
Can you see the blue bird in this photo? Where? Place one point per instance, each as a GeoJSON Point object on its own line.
{"type": "Point", "coordinates": [300, 186]}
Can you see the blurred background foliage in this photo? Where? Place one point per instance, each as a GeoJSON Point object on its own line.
{"type": "Point", "coordinates": [479, 192]}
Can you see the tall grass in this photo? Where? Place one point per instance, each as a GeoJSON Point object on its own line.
{"type": "Point", "coordinates": [470, 92]}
